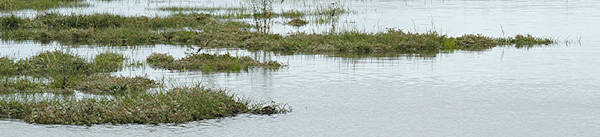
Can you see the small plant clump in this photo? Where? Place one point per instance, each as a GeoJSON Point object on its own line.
{"type": "Point", "coordinates": [12, 85]}
{"type": "Point", "coordinates": [207, 62]}
{"type": "Point", "coordinates": [175, 106]}
{"type": "Point", "coordinates": [296, 22]}
{"type": "Point", "coordinates": [108, 62]}
{"type": "Point", "coordinates": [207, 9]}
{"type": "Point", "coordinates": [7, 67]}
{"type": "Point", "coordinates": [106, 84]}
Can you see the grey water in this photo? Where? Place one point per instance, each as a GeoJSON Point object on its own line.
{"type": "Point", "coordinates": [542, 91]}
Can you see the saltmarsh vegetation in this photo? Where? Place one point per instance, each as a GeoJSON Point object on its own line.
{"type": "Point", "coordinates": [129, 101]}
{"type": "Point", "coordinates": [60, 72]}
{"type": "Point", "coordinates": [208, 62]}
{"type": "Point", "coordinates": [207, 31]}
{"type": "Point", "coordinates": [7, 5]}
{"type": "Point", "coordinates": [174, 106]}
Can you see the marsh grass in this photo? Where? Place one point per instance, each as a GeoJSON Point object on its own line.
{"type": "Point", "coordinates": [14, 85]}
{"type": "Point", "coordinates": [108, 62]}
{"type": "Point", "coordinates": [8, 5]}
{"type": "Point", "coordinates": [106, 84]}
{"type": "Point", "coordinates": [206, 9]}
{"type": "Point", "coordinates": [130, 102]}
{"type": "Point", "coordinates": [194, 29]}
{"type": "Point", "coordinates": [208, 63]}
{"type": "Point", "coordinates": [206, 31]}
{"type": "Point", "coordinates": [174, 106]}
{"type": "Point", "coordinates": [66, 72]}
{"type": "Point", "coordinates": [296, 22]}
{"type": "Point", "coordinates": [7, 67]}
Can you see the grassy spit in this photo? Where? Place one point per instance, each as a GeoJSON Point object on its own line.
{"type": "Point", "coordinates": [174, 106]}
{"type": "Point", "coordinates": [207, 62]}
{"type": "Point", "coordinates": [64, 73]}
{"type": "Point", "coordinates": [8, 5]}
{"type": "Point", "coordinates": [205, 30]}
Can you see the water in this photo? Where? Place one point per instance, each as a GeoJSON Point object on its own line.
{"type": "Point", "coordinates": [544, 91]}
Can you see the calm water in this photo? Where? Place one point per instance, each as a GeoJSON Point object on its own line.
{"type": "Point", "coordinates": [546, 91]}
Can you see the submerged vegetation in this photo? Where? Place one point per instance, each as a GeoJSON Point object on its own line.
{"type": "Point", "coordinates": [6, 5]}
{"type": "Point", "coordinates": [207, 62]}
{"type": "Point", "coordinates": [174, 106]}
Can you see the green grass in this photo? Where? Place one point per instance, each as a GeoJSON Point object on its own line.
{"type": "Point", "coordinates": [174, 106]}
{"type": "Point", "coordinates": [7, 67]}
{"type": "Point", "coordinates": [113, 30]}
{"type": "Point", "coordinates": [14, 85]}
{"type": "Point", "coordinates": [66, 72]}
{"type": "Point", "coordinates": [8, 5]}
{"type": "Point", "coordinates": [297, 22]}
{"type": "Point", "coordinates": [108, 62]}
{"type": "Point", "coordinates": [207, 9]}
{"type": "Point", "coordinates": [106, 84]}
{"type": "Point", "coordinates": [129, 101]}
{"type": "Point", "coordinates": [208, 63]}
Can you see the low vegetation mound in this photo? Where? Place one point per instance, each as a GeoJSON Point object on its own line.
{"type": "Point", "coordinates": [207, 62]}
{"type": "Point", "coordinates": [175, 106]}
{"type": "Point", "coordinates": [207, 31]}
{"type": "Point", "coordinates": [60, 72]}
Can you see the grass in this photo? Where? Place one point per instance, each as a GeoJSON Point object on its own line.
{"type": "Point", "coordinates": [130, 102]}
{"type": "Point", "coordinates": [115, 30]}
{"type": "Point", "coordinates": [108, 62]}
{"type": "Point", "coordinates": [106, 84]}
{"type": "Point", "coordinates": [396, 41]}
{"type": "Point", "coordinates": [296, 22]}
{"type": "Point", "coordinates": [7, 66]}
{"type": "Point", "coordinates": [207, 63]}
{"type": "Point", "coordinates": [174, 106]}
{"type": "Point", "coordinates": [207, 31]}
{"type": "Point", "coordinates": [66, 72]}
{"type": "Point", "coordinates": [207, 9]}
{"type": "Point", "coordinates": [13, 85]}
{"type": "Point", "coordinates": [8, 5]}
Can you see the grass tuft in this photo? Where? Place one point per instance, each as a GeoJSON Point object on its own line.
{"type": "Point", "coordinates": [108, 62]}
{"type": "Point", "coordinates": [296, 22]}
{"type": "Point", "coordinates": [207, 62]}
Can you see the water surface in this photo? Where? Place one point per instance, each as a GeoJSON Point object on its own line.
{"type": "Point", "coordinates": [543, 91]}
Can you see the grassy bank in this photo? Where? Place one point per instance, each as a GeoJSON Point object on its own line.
{"type": "Point", "coordinates": [206, 31]}
{"type": "Point", "coordinates": [60, 72]}
{"type": "Point", "coordinates": [8, 5]}
{"type": "Point", "coordinates": [174, 106]}
{"type": "Point", "coordinates": [208, 62]}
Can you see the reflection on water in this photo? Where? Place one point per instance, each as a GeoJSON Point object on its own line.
{"type": "Point", "coordinates": [545, 91]}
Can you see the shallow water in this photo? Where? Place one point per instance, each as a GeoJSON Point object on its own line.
{"type": "Point", "coordinates": [543, 91]}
